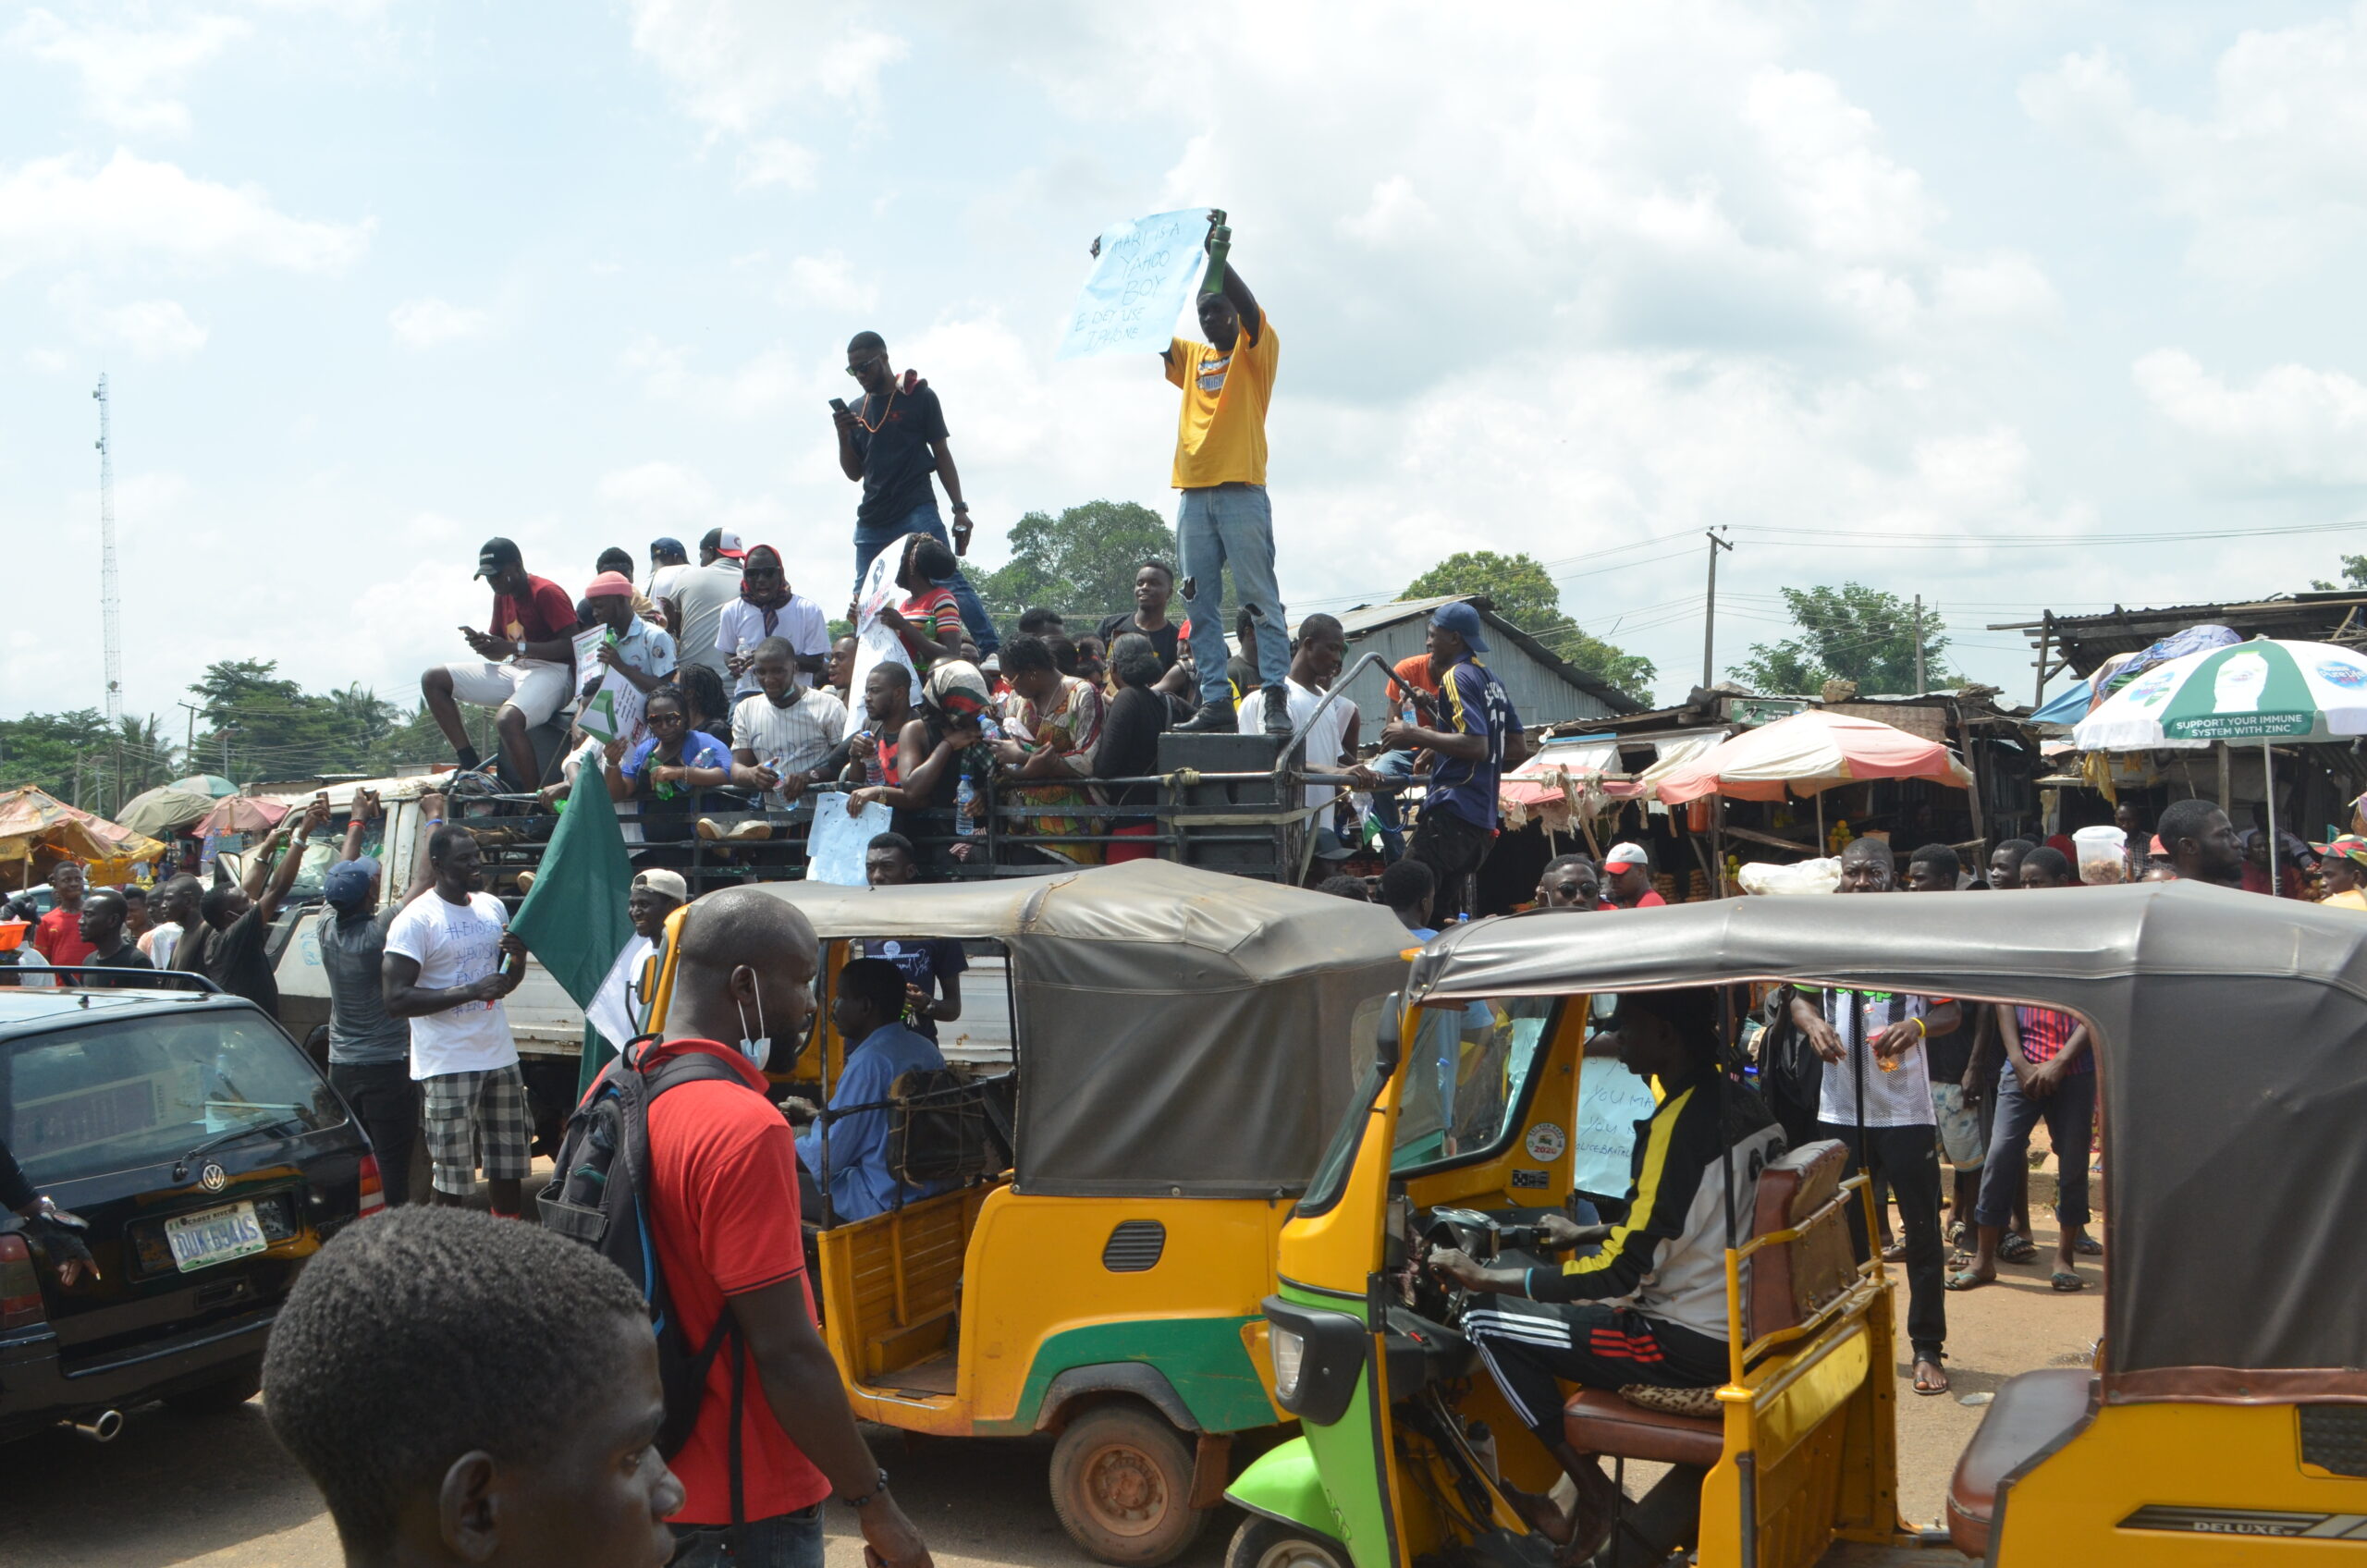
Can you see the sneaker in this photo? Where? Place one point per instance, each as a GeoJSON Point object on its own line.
{"type": "Point", "coordinates": [1213, 718]}
{"type": "Point", "coordinates": [708, 829]}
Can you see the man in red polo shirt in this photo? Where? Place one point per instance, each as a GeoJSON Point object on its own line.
{"type": "Point", "coordinates": [58, 937]}
{"type": "Point", "coordinates": [723, 1187]}
{"type": "Point", "coordinates": [1628, 871]}
{"type": "Point", "coordinates": [525, 666]}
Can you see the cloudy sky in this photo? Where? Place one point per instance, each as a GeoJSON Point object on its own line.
{"type": "Point", "coordinates": [1979, 301]}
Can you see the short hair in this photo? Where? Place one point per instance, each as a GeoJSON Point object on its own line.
{"type": "Point", "coordinates": [427, 1333]}
{"type": "Point", "coordinates": [732, 927]}
{"type": "Point", "coordinates": [667, 693]}
{"type": "Point", "coordinates": [222, 898]}
{"type": "Point", "coordinates": [2020, 846]}
{"type": "Point", "coordinates": [862, 341]}
{"type": "Point", "coordinates": [1164, 569]}
{"type": "Point", "coordinates": [1064, 655]}
{"type": "Point", "coordinates": [586, 612]}
{"type": "Point", "coordinates": [1558, 862]}
{"type": "Point", "coordinates": [1937, 855]}
{"type": "Point", "coordinates": [875, 980]}
{"type": "Point", "coordinates": [2189, 818]}
{"type": "Point", "coordinates": [1027, 651]}
{"type": "Point", "coordinates": [179, 886]}
{"type": "Point", "coordinates": [1319, 622]}
{"type": "Point", "coordinates": [775, 648]}
{"type": "Point", "coordinates": [1691, 1010]}
{"type": "Point", "coordinates": [133, 893]}
{"type": "Point", "coordinates": [2050, 861]}
{"type": "Point", "coordinates": [931, 559]}
{"type": "Point", "coordinates": [1133, 661]}
{"type": "Point", "coordinates": [1405, 882]}
{"type": "Point", "coordinates": [1040, 619]}
{"type": "Point", "coordinates": [1244, 624]}
{"type": "Point", "coordinates": [895, 842]}
{"type": "Point", "coordinates": [1344, 888]}
{"type": "Point", "coordinates": [614, 559]}
{"type": "Point", "coordinates": [98, 894]}
{"type": "Point", "coordinates": [447, 838]}
{"type": "Point", "coordinates": [1871, 849]}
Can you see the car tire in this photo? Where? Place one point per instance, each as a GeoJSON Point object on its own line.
{"type": "Point", "coordinates": [212, 1399]}
{"type": "Point", "coordinates": [1121, 1484]}
{"type": "Point", "coordinates": [1269, 1543]}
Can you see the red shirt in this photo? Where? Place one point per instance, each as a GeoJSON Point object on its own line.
{"type": "Point", "coordinates": [1651, 899]}
{"type": "Point", "coordinates": [935, 615]}
{"type": "Point", "coordinates": [58, 937]}
{"type": "Point", "coordinates": [723, 1199]}
{"type": "Point", "coordinates": [545, 614]}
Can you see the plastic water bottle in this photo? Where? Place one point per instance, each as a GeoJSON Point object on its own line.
{"type": "Point", "coordinates": [872, 773]}
{"type": "Point", "coordinates": [964, 794]}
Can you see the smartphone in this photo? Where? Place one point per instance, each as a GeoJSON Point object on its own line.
{"type": "Point", "coordinates": [837, 405]}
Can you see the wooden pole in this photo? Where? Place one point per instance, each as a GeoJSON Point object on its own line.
{"type": "Point", "coordinates": [2224, 796]}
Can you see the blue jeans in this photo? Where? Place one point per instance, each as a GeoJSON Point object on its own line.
{"type": "Point", "coordinates": [2070, 1117]}
{"type": "Point", "coordinates": [785, 1540]}
{"type": "Point", "coordinates": [1389, 805]}
{"type": "Point", "coordinates": [925, 519]}
{"type": "Point", "coordinates": [1232, 524]}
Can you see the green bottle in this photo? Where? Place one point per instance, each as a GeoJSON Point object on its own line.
{"type": "Point", "coordinates": [1219, 241]}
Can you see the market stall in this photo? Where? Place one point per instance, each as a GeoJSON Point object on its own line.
{"type": "Point", "coordinates": [37, 830]}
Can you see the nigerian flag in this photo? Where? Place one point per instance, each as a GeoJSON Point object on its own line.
{"type": "Point", "coordinates": [574, 921]}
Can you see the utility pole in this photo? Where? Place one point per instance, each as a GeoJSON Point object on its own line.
{"type": "Point", "coordinates": [189, 742]}
{"type": "Point", "coordinates": [1918, 644]}
{"type": "Point", "coordinates": [1710, 621]}
{"type": "Point", "coordinates": [110, 601]}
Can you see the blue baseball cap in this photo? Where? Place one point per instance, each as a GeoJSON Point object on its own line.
{"type": "Point", "coordinates": [669, 548]}
{"type": "Point", "coordinates": [347, 882]}
{"type": "Point", "coordinates": [1463, 621]}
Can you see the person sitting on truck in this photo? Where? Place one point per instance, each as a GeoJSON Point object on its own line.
{"type": "Point", "coordinates": [102, 917]}
{"type": "Point", "coordinates": [1665, 1263]}
{"type": "Point", "coordinates": [525, 666]}
{"type": "Point", "coordinates": [463, 1391]}
{"type": "Point", "coordinates": [846, 1150]}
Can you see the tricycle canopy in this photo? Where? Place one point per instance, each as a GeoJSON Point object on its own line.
{"type": "Point", "coordinates": [1180, 1033]}
{"type": "Point", "coordinates": [2231, 1031]}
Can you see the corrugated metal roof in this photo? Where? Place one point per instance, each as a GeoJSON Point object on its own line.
{"type": "Point", "coordinates": [2087, 641]}
{"type": "Point", "coordinates": [1400, 623]}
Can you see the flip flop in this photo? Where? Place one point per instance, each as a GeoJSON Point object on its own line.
{"type": "Point", "coordinates": [2088, 1246]}
{"type": "Point", "coordinates": [1969, 1280]}
{"type": "Point", "coordinates": [2063, 1280]}
{"type": "Point", "coordinates": [1928, 1390]}
{"type": "Point", "coordinates": [2017, 1248]}
{"type": "Point", "coordinates": [1894, 1251]}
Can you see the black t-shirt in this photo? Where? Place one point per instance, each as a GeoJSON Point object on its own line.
{"type": "Point", "coordinates": [896, 458]}
{"type": "Point", "coordinates": [1162, 640]}
{"type": "Point", "coordinates": [925, 964]}
{"type": "Point", "coordinates": [127, 957]}
{"type": "Point", "coordinates": [1129, 749]}
{"type": "Point", "coordinates": [233, 958]}
{"type": "Point", "coordinates": [1948, 1057]}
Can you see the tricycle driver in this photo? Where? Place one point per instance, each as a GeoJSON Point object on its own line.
{"type": "Point", "coordinates": [1650, 1305]}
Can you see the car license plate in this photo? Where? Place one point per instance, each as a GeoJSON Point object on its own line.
{"type": "Point", "coordinates": [214, 1235]}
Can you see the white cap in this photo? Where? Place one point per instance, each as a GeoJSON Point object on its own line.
{"type": "Point", "coordinates": [665, 883]}
{"type": "Point", "coordinates": [1628, 855]}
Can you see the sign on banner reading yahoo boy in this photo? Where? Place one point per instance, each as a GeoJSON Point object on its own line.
{"type": "Point", "coordinates": [614, 711]}
{"type": "Point", "coordinates": [875, 642]}
{"type": "Point", "coordinates": [1139, 285]}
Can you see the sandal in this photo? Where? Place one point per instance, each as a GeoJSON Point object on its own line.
{"type": "Point", "coordinates": [2064, 1280]}
{"type": "Point", "coordinates": [1967, 1280]}
{"type": "Point", "coordinates": [1923, 1385]}
{"type": "Point", "coordinates": [2017, 1248]}
{"type": "Point", "coordinates": [1894, 1252]}
{"type": "Point", "coordinates": [2088, 1246]}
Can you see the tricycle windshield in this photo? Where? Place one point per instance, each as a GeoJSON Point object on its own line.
{"type": "Point", "coordinates": [1466, 1078]}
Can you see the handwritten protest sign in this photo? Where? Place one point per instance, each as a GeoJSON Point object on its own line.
{"type": "Point", "coordinates": [841, 838]}
{"type": "Point", "coordinates": [1611, 1101]}
{"type": "Point", "coordinates": [873, 642]}
{"type": "Point", "coordinates": [611, 706]}
{"type": "Point", "coordinates": [1139, 283]}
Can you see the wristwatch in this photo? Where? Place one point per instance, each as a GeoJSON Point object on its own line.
{"type": "Point", "coordinates": [868, 1498]}
{"type": "Point", "coordinates": [521, 648]}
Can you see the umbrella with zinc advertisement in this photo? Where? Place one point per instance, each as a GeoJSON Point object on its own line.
{"type": "Point", "coordinates": [2267, 690]}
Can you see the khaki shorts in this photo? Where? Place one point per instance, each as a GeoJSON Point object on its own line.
{"type": "Point", "coordinates": [1959, 1128]}
{"type": "Point", "coordinates": [536, 688]}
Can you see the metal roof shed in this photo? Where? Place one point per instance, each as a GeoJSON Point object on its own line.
{"type": "Point", "coordinates": [1544, 687]}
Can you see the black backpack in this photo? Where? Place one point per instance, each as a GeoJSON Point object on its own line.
{"type": "Point", "coordinates": [598, 1194]}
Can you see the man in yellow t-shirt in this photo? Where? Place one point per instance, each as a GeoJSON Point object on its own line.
{"type": "Point", "coordinates": [2345, 870]}
{"type": "Point", "coordinates": [1224, 519]}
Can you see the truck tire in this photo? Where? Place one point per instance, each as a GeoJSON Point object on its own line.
{"type": "Point", "coordinates": [212, 1399]}
{"type": "Point", "coordinates": [1121, 1484]}
{"type": "Point", "coordinates": [1269, 1543]}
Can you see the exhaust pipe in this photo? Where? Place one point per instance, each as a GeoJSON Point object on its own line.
{"type": "Point", "coordinates": [103, 1427]}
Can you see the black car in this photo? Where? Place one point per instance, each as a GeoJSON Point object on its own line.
{"type": "Point", "coordinates": [211, 1159]}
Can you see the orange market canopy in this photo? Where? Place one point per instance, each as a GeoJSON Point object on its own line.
{"type": "Point", "coordinates": [33, 820]}
{"type": "Point", "coordinates": [1807, 755]}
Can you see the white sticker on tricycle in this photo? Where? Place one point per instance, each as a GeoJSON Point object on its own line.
{"type": "Point", "coordinates": [1546, 1142]}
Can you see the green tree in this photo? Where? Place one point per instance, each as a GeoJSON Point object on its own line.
{"type": "Point", "coordinates": [1518, 588]}
{"type": "Point", "coordinates": [53, 749]}
{"type": "Point", "coordinates": [1853, 632]}
{"type": "Point", "coordinates": [2354, 575]}
{"type": "Point", "coordinates": [1081, 563]}
{"type": "Point", "coordinates": [263, 726]}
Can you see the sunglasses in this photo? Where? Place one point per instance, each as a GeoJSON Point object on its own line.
{"type": "Point", "coordinates": [668, 720]}
{"type": "Point", "coordinates": [856, 367]}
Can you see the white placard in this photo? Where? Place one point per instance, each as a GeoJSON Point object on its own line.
{"type": "Point", "coordinates": [1139, 286]}
{"type": "Point", "coordinates": [836, 847]}
{"type": "Point", "coordinates": [875, 642]}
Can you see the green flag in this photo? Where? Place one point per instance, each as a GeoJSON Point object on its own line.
{"type": "Point", "coordinates": [575, 923]}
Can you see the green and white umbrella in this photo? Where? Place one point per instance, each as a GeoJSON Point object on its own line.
{"type": "Point", "coordinates": [2262, 691]}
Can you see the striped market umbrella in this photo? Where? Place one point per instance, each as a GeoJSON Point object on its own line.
{"type": "Point", "coordinates": [2266, 690]}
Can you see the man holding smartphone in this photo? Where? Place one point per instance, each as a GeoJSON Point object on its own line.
{"type": "Point", "coordinates": [527, 671]}
{"type": "Point", "coordinates": [890, 445]}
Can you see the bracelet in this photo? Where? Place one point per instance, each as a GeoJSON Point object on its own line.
{"type": "Point", "coordinates": [868, 1498]}
{"type": "Point", "coordinates": [961, 507]}
{"type": "Point", "coordinates": [436, 822]}
{"type": "Point", "coordinates": [1920, 1031]}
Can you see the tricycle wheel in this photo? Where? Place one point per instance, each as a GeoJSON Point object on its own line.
{"type": "Point", "coordinates": [1269, 1543]}
{"type": "Point", "coordinates": [1121, 1484]}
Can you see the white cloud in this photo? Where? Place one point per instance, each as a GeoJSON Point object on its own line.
{"type": "Point", "coordinates": [2274, 176]}
{"type": "Point", "coordinates": [55, 210]}
{"type": "Point", "coordinates": [829, 280]}
{"type": "Point", "coordinates": [757, 389]}
{"type": "Point", "coordinates": [128, 74]}
{"type": "Point", "coordinates": [432, 322]}
{"type": "Point", "coordinates": [777, 161]}
{"type": "Point", "coordinates": [2292, 426]}
{"type": "Point", "coordinates": [736, 64]}
{"type": "Point", "coordinates": [153, 329]}
{"type": "Point", "coordinates": [49, 361]}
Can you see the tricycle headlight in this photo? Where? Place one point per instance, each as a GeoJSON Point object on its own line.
{"type": "Point", "coordinates": [1290, 1356]}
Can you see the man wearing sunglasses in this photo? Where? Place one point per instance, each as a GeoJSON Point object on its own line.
{"type": "Point", "coordinates": [890, 443]}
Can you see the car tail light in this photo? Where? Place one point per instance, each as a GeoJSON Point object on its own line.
{"type": "Point", "coordinates": [19, 1285]}
{"type": "Point", "coordinates": [373, 1189]}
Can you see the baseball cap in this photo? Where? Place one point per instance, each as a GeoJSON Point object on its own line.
{"type": "Point", "coordinates": [1463, 621]}
{"type": "Point", "coordinates": [347, 882]}
{"type": "Point", "coordinates": [496, 554]}
{"type": "Point", "coordinates": [665, 884]}
{"type": "Point", "coordinates": [669, 549]}
{"type": "Point", "coordinates": [2351, 846]}
{"type": "Point", "coordinates": [723, 541]}
{"type": "Point", "coordinates": [609, 584]}
{"type": "Point", "coordinates": [1628, 855]}
{"type": "Point", "coordinates": [1328, 845]}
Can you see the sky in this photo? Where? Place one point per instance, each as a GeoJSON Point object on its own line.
{"type": "Point", "coordinates": [2013, 305]}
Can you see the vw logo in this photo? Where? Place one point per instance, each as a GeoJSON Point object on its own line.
{"type": "Point", "coordinates": [213, 1179]}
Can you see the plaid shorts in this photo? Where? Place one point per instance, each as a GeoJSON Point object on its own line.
{"type": "Point", "coordinates": [476, 1118]}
